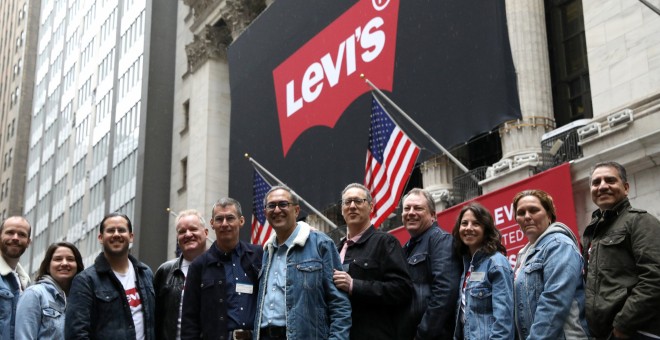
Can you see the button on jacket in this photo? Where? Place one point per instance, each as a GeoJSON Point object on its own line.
{"type": "Point", "coordinates": [622, 246]}
{"type": "Point", "coordinates": [204, 312]}
{"type": "Point", "coordinates": [381, 284]}
{"type": "Point", "coordinates": [97, 306]}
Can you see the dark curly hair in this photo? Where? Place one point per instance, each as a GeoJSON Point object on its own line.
{"type": "Point", "coordinates": [492, 238]}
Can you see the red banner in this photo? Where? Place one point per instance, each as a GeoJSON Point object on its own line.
{"type": "Point", "coordinates": [556, 182]}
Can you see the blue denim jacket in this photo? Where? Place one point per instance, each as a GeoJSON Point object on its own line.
{"type": "Point", "coordinates": [9, 294]}
{"type": "Point", "coordinates": [548, 287]}
{"type": "Point", "coordinates": [40, 311]}
{"type": "Point", "coordinates": [97, 306]}
{"type": "Point", "coordinates": [488, 300]}
{"type": "Point", "coordinates": [315, 308]}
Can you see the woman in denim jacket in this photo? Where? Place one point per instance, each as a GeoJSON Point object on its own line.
{"type": "Point", "coordinates": [485, 307]}
{"type": "Point", "coordinates": [40, 310]}
{"type": "Point", "coordinates": [549, 291]}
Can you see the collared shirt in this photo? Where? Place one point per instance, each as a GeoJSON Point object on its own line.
{"type": "Point", "coordinates": [240, 309]}
{"type": "Point", "coordinates": [274, 313]}
{"type": "Point", "coordinates": [349, 242]}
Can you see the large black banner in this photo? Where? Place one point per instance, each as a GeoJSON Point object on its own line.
{"type": "Point", "coordinates": [300, 108]}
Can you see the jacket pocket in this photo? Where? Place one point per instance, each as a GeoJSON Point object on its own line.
{"type": "Point", "coordinates": [534, 279]}
{"type": "Point", "coordinates": [110, 303]}
{"type": "Point", "coordinates": [310, 272]}
{"type": "Point", "coordinates": [616, 252]}
{"type": "Point", "coordinates": [51, 312]}
{"type": "Point", "coordinates": [481, 300]}
{"type": "Point", "coordinates": [6, 302]}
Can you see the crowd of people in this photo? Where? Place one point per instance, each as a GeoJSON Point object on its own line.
{"type": "Point", "coordinates": [300, 285]}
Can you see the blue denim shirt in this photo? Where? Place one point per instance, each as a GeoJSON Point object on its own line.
{"type": "Point", "coordinates": [548, 287]}
{"type": "Point", "coordinates": [274, 308]}
{"type": "Point", "coordinates": [9, 294]}
{"type": "Point", "coordinates": [40, 311]}
{"type": "Point", "coordinates": [488, 298]}
{"type": "Point", "coordinates": [315, 308]}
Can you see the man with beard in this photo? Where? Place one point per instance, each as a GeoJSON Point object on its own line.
{"type": "Point", "coordinates": [14, 238]}
{"type": "Point", "coordinates": [114, 298]}
{"type": "Point", "coordinates": [434, 268]}
{"type": "Point", "coordinates": [219, 299]}
{"type": "Point", "coordinates": [170, 277]}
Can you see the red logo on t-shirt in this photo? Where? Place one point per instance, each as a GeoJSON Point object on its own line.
{"type": "Point", "coordinates": [316, 84]}
{"type": "Point", "coordinates": [133, 297]}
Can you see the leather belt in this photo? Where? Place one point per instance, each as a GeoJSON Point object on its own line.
{"type": "Point", "coordinates": [274, 332]}
{"type": "Point", "coordinates": [240, 334]}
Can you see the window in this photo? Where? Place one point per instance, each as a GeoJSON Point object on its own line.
{"type": "Point", "coordinates": [571, 90]}
{"type": "Point", "coordinates": [184, 174]}
{"type": "Point", "coordinates": [186, 116]}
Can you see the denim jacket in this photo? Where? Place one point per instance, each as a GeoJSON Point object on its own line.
{"type": "Point", "coordinates": [548, 287]}
{"type": "Point", "coordinates": [9, 294]}
{"type": "Point", "coordinates": [40, 311]}
{"type": "Point", "coordinates": [488, 298]}
{"type": "Point", "coordinates": [97, 306]}
{"type": "Point", "coordinates": [316, 308]}
{"type": "Point", "coordinates": [435, 270]}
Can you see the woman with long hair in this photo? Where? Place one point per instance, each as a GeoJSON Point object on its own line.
{"type": "Point", "coordinates": [485, 307]}
{"type": "Point", "coordinates": [548, 287]}
{"type": "Point", "coordinates": [40, 310]}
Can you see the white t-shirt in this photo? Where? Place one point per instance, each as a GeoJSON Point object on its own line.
{"type": "Point", "coordinates": [185, 264]}
{"type": "Point", "coordinates": [134, 301]}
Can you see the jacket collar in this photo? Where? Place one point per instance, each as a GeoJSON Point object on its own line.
{"type": "Point", "coordinates": [611, 213]}
{"type": "Point", "coordinates": [365, 235]}
{"type": "Point", "coordinates": [301, 238]}
{"type": "Point", "coordinates": [102, 265]}
{"type": "Point", "coordinates": [5, 269]}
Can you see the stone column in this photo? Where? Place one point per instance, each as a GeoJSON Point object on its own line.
{"type": "Point", "coordinates": [437, 176]}
{"type": "Point", "coordinates": [529, 46]}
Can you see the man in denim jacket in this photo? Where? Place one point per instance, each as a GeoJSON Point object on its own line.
{"type": "Point", "coordinates": [297, 297]}
{"type": "Point", "coordinates": [14, 239]}
{"type": "Point", "coordinates": [622, 251]}
{"type": "Point", "coordinates": [114, 298]}
{"type": "Point", "coordinates": [434, 268]}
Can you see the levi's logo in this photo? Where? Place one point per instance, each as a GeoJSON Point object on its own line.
{"type": "Point", "coordinates": [133, 297]}
{"type": "Point", "coordinates": [316, 84]}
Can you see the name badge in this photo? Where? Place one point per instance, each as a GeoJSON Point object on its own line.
{"type": "Point", "coordinates": [244, 288]}
{"type": "Point", "coordinates": [477, 276]}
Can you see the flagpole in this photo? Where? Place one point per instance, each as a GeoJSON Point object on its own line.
{"type": "Point", "coordinates": [414, 123]}
{"type": "Point", "coordinates": [309, 206]}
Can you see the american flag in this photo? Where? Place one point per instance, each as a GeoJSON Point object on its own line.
{"type": "Point", "coordinates": [390, 159]}
{"type": "Point", "coordinates": [260, 228]}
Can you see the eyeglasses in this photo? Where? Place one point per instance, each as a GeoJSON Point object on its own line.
{"type": "Point", "coordinates": [283, 205]}
{"type": "Point", "coordinates": [358, 202]}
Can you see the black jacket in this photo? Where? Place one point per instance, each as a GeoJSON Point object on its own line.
{"type": "Point", "coordinates": [97, 307]}
{"type": "Point", "coordinates": [168, 285]}
{"type": "Point", "coordinates": [381, 284]}
{"type": "Point", "coordinates": [435, 270]}
{"type": "Point", "coordinates": [204, 313]}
